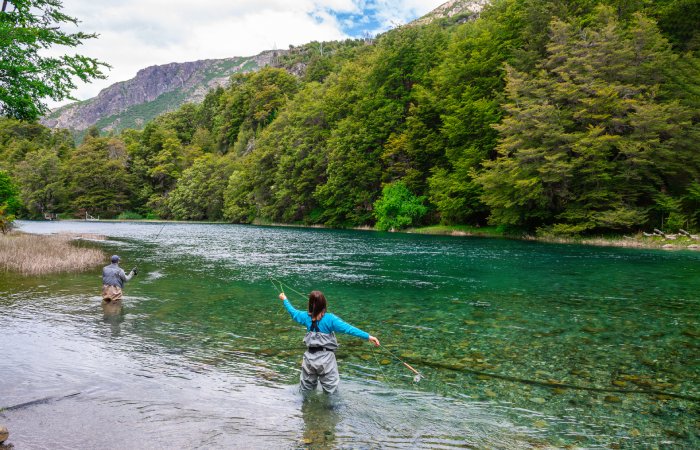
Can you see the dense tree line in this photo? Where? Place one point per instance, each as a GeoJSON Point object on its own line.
{"type": "Point", "coordinates": [564, 117]}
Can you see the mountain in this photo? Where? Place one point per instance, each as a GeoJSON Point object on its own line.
{"type": "Point", "coordinates": [159, 89]}
{"type": "Point", "coordinates": [469, 9]}
{"type": "Point", "coordinates": [153, 91]}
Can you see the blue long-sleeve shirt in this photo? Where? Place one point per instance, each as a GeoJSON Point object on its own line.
{"type": "Point", "coordinates": [329, 323]}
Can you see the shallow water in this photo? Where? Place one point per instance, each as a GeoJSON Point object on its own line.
{"type": "Point", "coordinates": [520, 344]}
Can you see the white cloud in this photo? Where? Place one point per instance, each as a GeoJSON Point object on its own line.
{"type": "Point", "coordinates": [138, 33]}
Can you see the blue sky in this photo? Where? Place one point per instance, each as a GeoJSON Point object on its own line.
{"type": "Point", "coordinates": [139, 33]}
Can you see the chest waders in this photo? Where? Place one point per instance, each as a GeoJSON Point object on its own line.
{"type": "Point", "coordinates": [319, 362]}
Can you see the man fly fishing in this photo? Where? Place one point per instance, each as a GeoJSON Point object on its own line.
{"type": "Point", "coordinates": [319, 362]}
{"type": "Point", "coordinates": [113, 279]}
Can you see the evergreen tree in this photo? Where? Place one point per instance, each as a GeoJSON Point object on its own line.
{"type": "Point", "coordinates": [586, 143]}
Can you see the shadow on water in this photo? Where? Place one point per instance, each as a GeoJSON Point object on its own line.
{"type": "Point", "coordinates": [113, 315]}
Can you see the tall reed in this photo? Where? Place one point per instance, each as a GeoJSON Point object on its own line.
{"type": "Point", "coordinates": [31, 254]}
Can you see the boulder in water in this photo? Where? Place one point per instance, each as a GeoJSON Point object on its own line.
{"type": "Point", "coordinates": [4, 434]}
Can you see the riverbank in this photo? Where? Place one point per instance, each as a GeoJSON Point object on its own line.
{"type": "Point", "coordinates": [639, 240]}
{"type": "Point", "coordinates": [32, 254]}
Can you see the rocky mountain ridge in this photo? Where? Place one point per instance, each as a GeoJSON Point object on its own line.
{"type": "Point", "coordinates": [468, 8]}
{"type": "Point", "coordinates": [153, 91]}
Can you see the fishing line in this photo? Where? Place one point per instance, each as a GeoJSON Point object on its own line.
{"type": "Point", "coordinates": [161, 229]}
{"type": "Point", "coordinates": [277, 312]}
{"type": "Point", "coordinates": [301, 294]}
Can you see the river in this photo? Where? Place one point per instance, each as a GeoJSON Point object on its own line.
{"type": "Point", "coordinates": [520, 344]}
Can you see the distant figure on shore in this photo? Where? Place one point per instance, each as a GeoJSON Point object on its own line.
{"type": "Point", "coordinates": [319, 362]}
{"type": "Point", "coordinates": [113, 279]}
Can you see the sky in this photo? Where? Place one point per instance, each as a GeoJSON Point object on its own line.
{"type": "Point", "coordinates": [134, 34]}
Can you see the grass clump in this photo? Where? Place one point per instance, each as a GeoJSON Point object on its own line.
{"type": "Point", "coordinates": [460, 230]}
{"type": "Point", "coordinates": [31, 254]}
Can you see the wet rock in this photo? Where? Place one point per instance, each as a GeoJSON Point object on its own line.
{"type": "Point", "coordinates": [635, 432]}
{"type": "Point", "coordinates": [631, 378]}
{"type": "Point", "coordinates": [691, 333]}
{"type": "Point", "coordinates": [668, 246]}
{"type": "Point", "coordinates": [612, 399]}
{"type": "Point", "coordinates": [694, 246]}
{"type": "Point", "coordinates": [538, 400]}
{"type": "Point", "coordinates": [365, 357]}
{"type": "Point", "coordinates": [4, 434]}
{"type": "Point", "coordinates": [619, 383]}
{"type": "Point", "coordinates": [679, 434]}
{"type": "Point", "coordinates": [592, 330]}
{"type": "Point", "coordinates": [559, 391]}
{"type": "Point", "coordinates": [483, 377]}
{"type": "Point", "coordinates": [384, 362]}
{"type": "Point", "coordinates": [539, 424]}
{"type": "Point", "coordinates": [268, 351]}
{"type": "Point", "coordinates": [490, 393]}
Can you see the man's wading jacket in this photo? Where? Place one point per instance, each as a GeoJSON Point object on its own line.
{"type": "Point", "coordinates": [113, 275]}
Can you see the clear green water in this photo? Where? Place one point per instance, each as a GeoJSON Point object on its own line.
{"type": "Point", "coordinates": [520, 344]}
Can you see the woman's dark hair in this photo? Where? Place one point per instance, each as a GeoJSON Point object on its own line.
{"type": "Point", "coordinates": [317, 304]}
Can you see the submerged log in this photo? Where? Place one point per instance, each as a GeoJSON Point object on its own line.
{"type": "Point", "coordinates": [38, 402]}
{"type": "Point", "coordinates": [549, 383]}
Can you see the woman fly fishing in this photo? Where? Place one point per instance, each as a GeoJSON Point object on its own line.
{"type": "Point", "coordinates": [319, 362]}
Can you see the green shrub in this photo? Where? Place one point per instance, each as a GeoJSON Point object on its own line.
{"type": "Point", "coordinates": [129, 215]}
{"type": "Point", "coordinates": [398, 207]}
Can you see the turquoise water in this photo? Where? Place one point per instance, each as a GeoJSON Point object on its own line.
{"type": "Point", "coordinates": [520, 344]}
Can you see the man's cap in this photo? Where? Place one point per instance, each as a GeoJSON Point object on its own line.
{"type": "Point", "coordinates": [115, 258]}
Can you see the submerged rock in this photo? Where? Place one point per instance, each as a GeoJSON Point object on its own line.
{"type": "Point", "coordinates": [612, 399]}
{"type": "Point", "coordinates": [539, 424]}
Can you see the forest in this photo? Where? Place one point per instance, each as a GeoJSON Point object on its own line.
{"type": "Point", "coordinates": [544, 116]}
